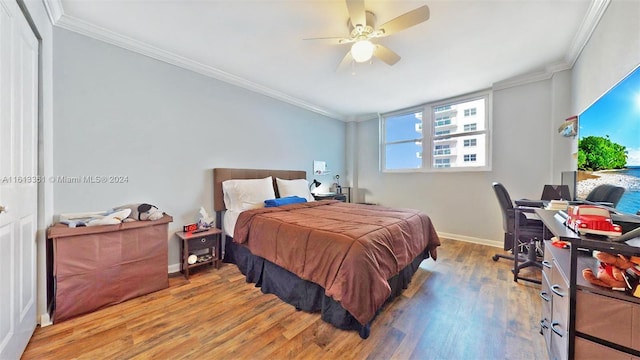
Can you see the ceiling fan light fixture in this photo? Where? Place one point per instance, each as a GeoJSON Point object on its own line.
{"type": "Point", "coordinates": [362, 50]}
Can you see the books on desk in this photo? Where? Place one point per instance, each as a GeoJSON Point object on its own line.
{"type": "Point", "coordinates": [530, 203]}
{"type": "Point", "coordinates": [549, 205]}
{"type": "Point", "coordinates": [557, 205]}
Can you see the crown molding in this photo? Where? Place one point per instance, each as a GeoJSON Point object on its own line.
{"type": "Point", "coordinates": [54, 10]}
{"type": "Point", "coordinates": [67, 22]}
{"type": "Point", "coordinates": [522, 79]}
{"type": "Point", "coordinates": [580, 40]}
{"type": "Point", "coordinates": [588, 26]}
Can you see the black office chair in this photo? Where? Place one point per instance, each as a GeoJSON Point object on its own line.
{"type": "Point", "coordinates": [529, 233]}
{"type": "Point", "coordinates": [606, 194]}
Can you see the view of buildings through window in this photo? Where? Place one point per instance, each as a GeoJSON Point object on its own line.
{"type": "Point", "coordinates": [455, 136]}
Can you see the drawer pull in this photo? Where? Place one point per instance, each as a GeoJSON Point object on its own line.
{"type": "Point", "coordinates": [543, 295]}
{"type": "Point", "coordinates": [543, 326]}
{"type": "Point", "coordinates": [203, 240]}
{"type": "Point", "coordinates": [553, 328]}
{"type": "Point", "coordinates": [546, 264]}
{"type": "Point", "coordinates": [555, 289]}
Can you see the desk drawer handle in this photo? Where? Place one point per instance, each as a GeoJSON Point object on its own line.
{"type": "Point", "coordinates": [555, 289]}
{"type": "Point", "coordinates": [546, 264]}
{"type": "Point", "coordinates": [543, 326]}
{"type": "Point", "coordinates": [203, 240]}
{"type": "Point", "coordinates": [553, 328]}
{"type": "Point", "coordinates": [543, 295]}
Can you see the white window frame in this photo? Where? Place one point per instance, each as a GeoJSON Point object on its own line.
{"type": "Point", "coordinates": [471, 127]}
{"type": "Point", "coordinates": [470, 143]}
{"type": "Point", "coordinates": [428, 119]}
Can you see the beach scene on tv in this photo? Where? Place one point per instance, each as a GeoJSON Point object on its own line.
{"type": "Point", "coordinates": [609, 143]}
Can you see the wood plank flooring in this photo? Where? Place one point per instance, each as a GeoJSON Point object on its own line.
{"type": "Point", "coordinates": [463, 306]}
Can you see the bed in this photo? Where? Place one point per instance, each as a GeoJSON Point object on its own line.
{"type": "Point", "coordinates": [346, 261]}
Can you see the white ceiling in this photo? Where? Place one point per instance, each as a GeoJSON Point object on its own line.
{"type": "Point", "coordinates": [465, 46]}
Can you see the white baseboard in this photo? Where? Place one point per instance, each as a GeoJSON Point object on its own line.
{"type": "Point", "coordinates": [45, 320]}
{"type": "Point", "coordinates": [174, 268]}
{"type": "Point", "coordinates": [473, 240]}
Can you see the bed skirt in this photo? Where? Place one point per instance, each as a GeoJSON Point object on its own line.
{"type": "Point", "coordinates": [305, 295]}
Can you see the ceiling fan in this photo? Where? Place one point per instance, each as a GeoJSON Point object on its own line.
{"type": "Point", "coordinates": [362, 31]}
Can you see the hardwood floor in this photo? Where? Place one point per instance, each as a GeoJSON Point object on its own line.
{"type": "Point", "coordinates": [463, 306]}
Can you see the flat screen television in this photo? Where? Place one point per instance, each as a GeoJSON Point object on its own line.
{"type": "Point", "coordinates": [609, 143]}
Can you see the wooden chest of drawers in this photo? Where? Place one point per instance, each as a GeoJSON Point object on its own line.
{"type": "Point", "coordinates": [93, 267]}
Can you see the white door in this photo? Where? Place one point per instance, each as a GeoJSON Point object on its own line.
{"type": "Point", "coordinates": [18, 179]}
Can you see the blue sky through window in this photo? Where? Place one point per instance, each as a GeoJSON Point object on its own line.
{"type": "Point", "coordinates": [402, 128]}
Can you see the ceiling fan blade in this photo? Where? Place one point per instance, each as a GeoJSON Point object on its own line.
{"type": "Point", "coordinates": [346, 61]}
{"type": "Point", "coordinates": [406, 20]}
{"type": "Point", "coordinates": [333, 39]}
{"type": "Point", "coordinates": [357, 12]}
{"type": "Point", "coordinates": [385, 54]}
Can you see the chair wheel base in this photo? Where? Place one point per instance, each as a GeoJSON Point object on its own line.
{"type": "Point", "coordinates": [495, 258]}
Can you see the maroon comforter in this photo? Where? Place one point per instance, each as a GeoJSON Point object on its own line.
{"type": "Point", "coordinates": [348, 249]}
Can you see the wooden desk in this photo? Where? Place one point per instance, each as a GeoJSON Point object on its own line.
{"type": "Point", "coordinates": [593, 321]}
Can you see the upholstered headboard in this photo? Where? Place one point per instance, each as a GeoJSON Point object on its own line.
{"type": "Point", "coordinates": [222, 174]}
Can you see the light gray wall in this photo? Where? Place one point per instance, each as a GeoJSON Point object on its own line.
{"type": "Point", "coordinates": [463, 205]}
{"type": "Point", "coordinates": [120, 113]}
{"type": "Point", "coordinates": [612, 53]}
{"type": "Point", "coordinates": [563, 149]}
{"type": "Point", "coordinates": [527, 150]}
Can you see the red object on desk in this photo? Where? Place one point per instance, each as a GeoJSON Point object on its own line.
{"type": "Point", "coordinates": [592, 219]}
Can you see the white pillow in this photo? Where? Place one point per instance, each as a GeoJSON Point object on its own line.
{"type": "Point", "coordinates": [247, 194]}
{"type": "Point", "coordinates": [298, 187]}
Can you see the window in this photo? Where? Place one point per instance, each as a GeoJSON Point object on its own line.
{"type": "Point", "coordinates": [442, 150]}
{"type": "Point", "coordinates": [431, 137]}
{"type": "Point", "coordinates": [442, 121]}
{"type": "Point", "coordinates": [442, 163]}
{"type": "Point", "coordinates": [403, 141]}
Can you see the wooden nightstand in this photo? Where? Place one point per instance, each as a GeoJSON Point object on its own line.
{"type": "Point", "coordinates": [192, 242]}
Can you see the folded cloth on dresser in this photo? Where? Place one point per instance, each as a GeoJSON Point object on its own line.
{"type": "Point", "coordinates": [284, 201]}
{"type": "Point", "coordinates": [350, 250]}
